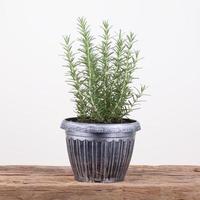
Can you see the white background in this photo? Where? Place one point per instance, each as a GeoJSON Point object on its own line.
{"type": "Point", "coordinates": [34, 98]}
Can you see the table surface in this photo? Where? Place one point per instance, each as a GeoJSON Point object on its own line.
{"type": "Point", "coordinates": [141, 183]}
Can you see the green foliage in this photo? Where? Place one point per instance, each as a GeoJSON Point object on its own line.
{"type": "Point", "coordinates": [101, 75]}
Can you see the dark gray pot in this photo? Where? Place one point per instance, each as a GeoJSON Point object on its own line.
{"type": "Point", "coordinates": [100, 152]}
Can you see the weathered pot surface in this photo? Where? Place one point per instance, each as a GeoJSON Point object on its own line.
{"type": "Point", "coordinates": [100, 152]}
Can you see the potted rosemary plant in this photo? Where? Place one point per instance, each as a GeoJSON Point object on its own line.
{"type": "Point", "coordinates": [101, 138]}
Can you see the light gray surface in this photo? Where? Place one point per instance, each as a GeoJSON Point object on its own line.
{"type": "Point", "coordinates": [35, 98]}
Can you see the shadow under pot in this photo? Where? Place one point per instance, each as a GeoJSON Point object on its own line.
{"type": "Point", "coordinates": [100, 152]}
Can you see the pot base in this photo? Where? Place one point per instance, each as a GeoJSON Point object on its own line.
{"type": "Point", "coordinates": [111, 180]}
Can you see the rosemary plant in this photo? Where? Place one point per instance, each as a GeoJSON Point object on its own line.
{"type": "Point", "coordinates": [101, 75]}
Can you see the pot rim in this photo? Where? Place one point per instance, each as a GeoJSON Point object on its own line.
{"type": "Point", "coordinates": [69, 124]}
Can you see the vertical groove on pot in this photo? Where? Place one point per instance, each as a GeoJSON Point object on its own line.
{"type": "Point", "coordinates": [125, 157]}
{"type": "Point", "coordinates": [84, 159]}
{"type": "Point", "coordinates": [78, 147]}
{"type": "Point", "coordinates": [74, 158]}
{"type": "Point", "coordinates": [129, 155]}
{"type": "Point", "coordinates": [120, 158]}
{"type": "Point", "coordinates": [112, 151]}
{"type": "Point", "coordinates": [96, 163]}
{"type": "Point", "coordinates": [99, 161]}
{"type": "Point", "coordinates": [70, 156]}
{"type": "Point", "coordinates": [116, 163]}
{"type": "Point", "coordinates": [105, 160]}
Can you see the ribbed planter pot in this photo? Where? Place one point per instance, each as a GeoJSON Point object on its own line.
{"type": "Point", "coordinates": [100, 152]}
